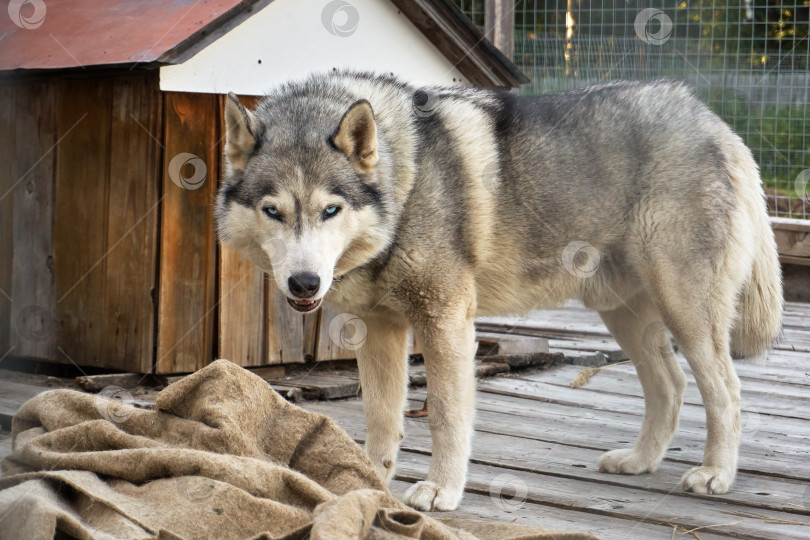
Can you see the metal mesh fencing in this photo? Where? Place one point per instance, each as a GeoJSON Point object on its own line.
{"type": "Point", "coordinates": [749, 60]}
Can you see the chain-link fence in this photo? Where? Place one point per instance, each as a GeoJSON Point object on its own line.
{"type": "Point", "coordinates": [748, 59]}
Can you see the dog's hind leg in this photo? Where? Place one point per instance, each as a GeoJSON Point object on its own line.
{"type": "Point", "coordinates": [448, 342]}
{"type": "Point", "coordinates": [638, 329]}
{"type": "Point", "coordinates": [705, 343]}
{"type": "Point", "coordinates": [383, 364]}
{"type": "Point", "coordinates": [698, 308]}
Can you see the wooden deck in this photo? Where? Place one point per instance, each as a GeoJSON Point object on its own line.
{"type": "Point", "coordinates": [537, 442]}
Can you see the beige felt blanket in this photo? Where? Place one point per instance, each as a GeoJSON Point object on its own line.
{"type": "Point", "coordinates": [224, 456]}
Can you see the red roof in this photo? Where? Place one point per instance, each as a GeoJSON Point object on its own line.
{"type": "Point", "coordinates": [74, 34]}
{"type": "Point", "coordinates": [78, 33]}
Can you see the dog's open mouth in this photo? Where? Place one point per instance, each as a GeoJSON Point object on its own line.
{"type": "Point", "coordinates": [304, 305]}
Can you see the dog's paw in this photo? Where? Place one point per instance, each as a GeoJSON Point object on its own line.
{"type": "Point", "coordinates": [708, 480]}
{"type": "Point", "coordinates": [626, 461]}
{"type": "Point", "coordinates": [429, 497]}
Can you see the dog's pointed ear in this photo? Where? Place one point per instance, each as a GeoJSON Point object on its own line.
{"type": "Point", "coordinates": [242, 132]}
{"type": "Point", "coordinates": [356, 136]}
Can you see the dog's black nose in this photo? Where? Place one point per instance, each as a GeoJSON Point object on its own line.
{"type": "Point", "coordinates": [304, 285]}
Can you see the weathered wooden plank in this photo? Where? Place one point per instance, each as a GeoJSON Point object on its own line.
{"type": "Point", "coordinates": [498, 441]}
{"type": "Point", "coordinates": [268, 372]}
{"type": "Point", "coordinates": [761, 451]}
{"type": "Point", "coordinates": [609, 348]}
{"type": "Point", "coordinates": [794, 242]}
{"type": "Point", "coordinates": [241, 320]}
{"type": "Point", "coordinates": [511, 344]}
{"type": "Point", "coordinates": [12, 396]}
{"type": "Point", "coordinates": [793, 260]}
{"type": "Point", "coordinates": [627, 503]}
{"type": "Point", "coordinates": [763, 447]}
{"type": "Point", "coordinates": [622, 379]}
{"type": "Point", "coordinates": [575, 438]}
{"type": "Point", "coordinates": [7, 181]}
{"type": "Point", "coordinates": [81, 220]}
{"type": "Point", "coordinates": [130, 281]}
{"type": "Point", "coordinates": [604, 429]}
{"type": "Point", "coordinates": [241, 309]}
{"type": "Point", "coordinates": [311, 330]}
{"type": "Point", "coordinates": [773, 373]}
{"type": "Point", "coordinates": [588, 358]}
{"type": "Point", "coordinates": [544, 327]}
{"type": "Point", "coordinates": [290, 393]}
{"type": "Point", "coordinates": [769, 398]}
{"type": "Point", "coordinates": [321, 385]}
{"type": "Point", "coordinates": [521, 361]}
{"type": "Point", "coordinates": [187, 250]}
{"type": "Point", "coordinates": [582, 324]}
{"type": "Point", "coordinates": [32, 291]}
{"type": "Point", "coordinates": [96, 383]}
{"type": "Point", "coordinates": [510, 509]}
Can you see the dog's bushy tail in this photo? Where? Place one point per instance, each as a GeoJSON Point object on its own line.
{"type": "Point", "coordinates": [760, 303]}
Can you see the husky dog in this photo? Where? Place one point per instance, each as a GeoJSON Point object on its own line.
{"type": "Point", "coordinates": [420, 208]}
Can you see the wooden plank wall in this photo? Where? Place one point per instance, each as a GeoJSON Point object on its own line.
{"type": "Point", "coordinates": [82, 186]}
{"type": "Point", "coordinates": [130, 278]}
{"type": "Point", "coordinates": [31, 195]}
{"type": "Point", "coordinates": [7, 180]}
{"type": "Point", "coordinates": [105, 220]}
{"type": "Point", "coordinates": [185, 337]}
{"type": "Point", "coordinates": [79, 219]}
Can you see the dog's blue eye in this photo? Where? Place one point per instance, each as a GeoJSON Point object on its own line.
{"type": "Point", "coordinates": [331, 211]}
{"type": "Point", "coordinates": [271, 212]}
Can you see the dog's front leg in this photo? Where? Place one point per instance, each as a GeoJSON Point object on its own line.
{"type": "Point", "coordinates": [383, 365]}
{"type": "Point", "coordinates": [449, 348]}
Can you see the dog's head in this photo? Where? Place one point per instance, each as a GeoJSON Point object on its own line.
{"type": "Point", "coordinates": [304, 195]}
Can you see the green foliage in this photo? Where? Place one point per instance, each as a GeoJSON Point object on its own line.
{"type": "Point", "coordinates": [779, 136]}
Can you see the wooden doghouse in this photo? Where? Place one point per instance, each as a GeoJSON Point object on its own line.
{"type": "Point", "coordinates": [111, 127]}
